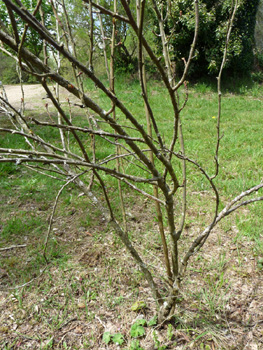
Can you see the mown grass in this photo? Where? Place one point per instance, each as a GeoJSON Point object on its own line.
{"type": "Point", "coordinates": [90, 274]}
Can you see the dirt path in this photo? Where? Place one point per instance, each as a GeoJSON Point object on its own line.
{"type": "Point", "coordinates": [34, 96]}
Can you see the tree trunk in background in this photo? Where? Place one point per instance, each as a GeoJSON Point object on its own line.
{"type": "Point", "coordinates": [259, 27]}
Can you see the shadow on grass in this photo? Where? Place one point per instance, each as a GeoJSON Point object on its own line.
{"type": "Point", "coordinates": [239, 85]}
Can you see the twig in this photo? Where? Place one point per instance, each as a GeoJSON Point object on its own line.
{"type": "Point", "coordinates": [192, 50]}
{"type": "Point", "coordinates": [104, 45]}
{"type": "Point", "coordinates": [27, 337]}
{"type": "Point", "coordinates": [27, 283]}
{"type": "Point", "coordinates": [13, 247]}
{"type": "Point", "coordinates": [46, 145]}
{"type": "Point", "coordinates": [88, 130]}
{"type": "Point", "coordinates": [54, 209]}
{"type": "Point", "coordinates": [36, 169]}
{"type": "Point", "coordinates": [108, 12]}
{"type": "Point", "coordinates": [103, 324]}
{"type": "Point", "coordinates": [219, 137]}
{"type": "Point", "coordinates": [150, 120]}
{"type": "Point", "coordinates": [67, 322]}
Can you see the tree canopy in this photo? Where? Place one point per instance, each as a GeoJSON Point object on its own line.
{"type": "Point", "coordinates": [213, 24]}
{"type": "Point", "coordinates": [179, 28]}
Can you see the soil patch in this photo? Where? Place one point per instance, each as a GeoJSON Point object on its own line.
{"type": "Point", "coordinates": [34, 95]}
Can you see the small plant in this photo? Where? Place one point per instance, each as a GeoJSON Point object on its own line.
{"type": "Point", "coordinates": [138, 305]}
{"type": "Point", "coordinates": [116, 338]}
{"type": "Point", "coordinates": [152, 322]}
{"type": "Point", "coordinates": [135, 345]}
{"type": "Point", "coordinates": [260, 263]}
{"type": "Point", "coordinates": [137, 329]}
{"type": "Point", "coordinates": [170, 333]}
{"type": "Point", "coordinates": [158, 345]}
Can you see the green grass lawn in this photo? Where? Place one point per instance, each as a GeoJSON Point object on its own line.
{"type": "Point", "coordinates": [88, 263]}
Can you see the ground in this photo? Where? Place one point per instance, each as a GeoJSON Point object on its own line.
{"type": "Point", "coordinates": [90, 284]}
{"type": "Point", "coordinates": [34, 96]}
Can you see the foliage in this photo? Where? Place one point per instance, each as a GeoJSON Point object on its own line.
{"type": "Point", "coordinates": [33, 42]}
{"type": "Point", "coordinates": [214, 16]}
{"type": "Point", "coordinates": [9, 74]}
{"type": "Point", "coordinates": [8, 67]}
{"type": "Point", "coordinates": [8, 70]}
{"type": "Point", "coordinates": [125, 60]}
{"type": "Point", "coordinates": [135, 345]}
{"type": "Point", "coordinates": [138, 305]}
{"type": "Point", "coordinates": [257, 74]}
{"type": "Point", "coordinates": [137, 329]}
{"type": "Point", "coordinates": [116, 338]}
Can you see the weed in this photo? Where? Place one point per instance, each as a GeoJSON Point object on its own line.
{"type": "Point", "coordinates": [157, 343]}
{"type": "Point", "coordinates": [137, 329]}
{"type": "Point", "coordinates": [135, 345]}
{"type": "Point", "coordinates": [170, 332]}
{"type": "Point", "coordinates": [116, 338]}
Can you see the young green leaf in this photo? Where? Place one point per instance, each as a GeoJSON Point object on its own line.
{"type": "Point", "coordinates": [152, 321]}
{"type": "Point", "coordinates": [141, 322]}
{"type": "Point", "coordinates": [138, 305]}
{"type": "Point", "coordinates": [137, 330]}
{"type": "Point", "coordinates": [106, 337]}
{"type": "Point", "coordinates": [135, 345]}
{"type": "Point", "coordinates": [118, 338]}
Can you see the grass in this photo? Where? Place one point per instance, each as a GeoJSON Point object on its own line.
{"type": "Point", "coordinates": [91, 283]}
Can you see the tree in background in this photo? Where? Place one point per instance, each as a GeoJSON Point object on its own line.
{"type": "Point", "coordinates": [8, 70]}
{"type": "Point", "coordinates": [12, 23]}
{"type": "Point", "coordinates": [214, 20]}
{"type": "Point", "coordinates": [33, 41]}
{"type": "Point", "coordinates": [179, 29]}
